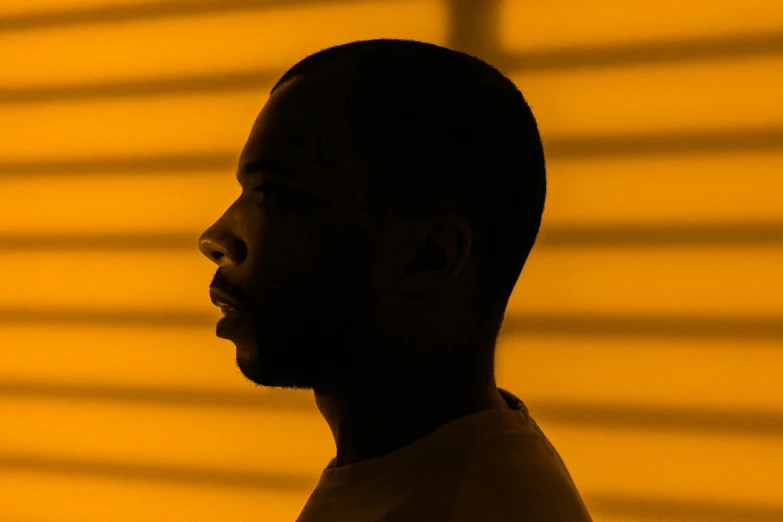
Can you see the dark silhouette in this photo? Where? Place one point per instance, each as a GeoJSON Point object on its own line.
{"type": "Point", "coordinates": [392, 191]}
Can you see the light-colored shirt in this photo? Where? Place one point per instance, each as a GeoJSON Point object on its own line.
{"type": "Point", "coordinates": [490, 466]}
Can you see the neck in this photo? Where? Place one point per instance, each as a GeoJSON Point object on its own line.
{"type": "Point", "coordinates": [369, 424]}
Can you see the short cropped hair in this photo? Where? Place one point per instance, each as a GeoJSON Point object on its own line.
{"type": "Point", "coordinates": [445, 130]}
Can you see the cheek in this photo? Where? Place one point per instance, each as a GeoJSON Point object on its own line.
{"type": "Point", "coordinates": [322, 309]}
{"type": "Point", "coordinates": [307, 258]}
{"type": "Point", "coordinates": [306, 266]}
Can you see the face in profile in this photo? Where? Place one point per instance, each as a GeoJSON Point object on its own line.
{"type": "Point", "coordinates": [295, 252]}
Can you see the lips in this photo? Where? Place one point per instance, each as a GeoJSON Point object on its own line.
{"type": "Point", "coordinates": [226, 303]}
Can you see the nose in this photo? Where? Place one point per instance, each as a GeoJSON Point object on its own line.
{"type": "Point", "coordinates": [222, 247]}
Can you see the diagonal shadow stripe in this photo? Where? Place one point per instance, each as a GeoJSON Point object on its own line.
{"type": "Point", "coordinates": [662, 235]}
{"type": "Point", "coordinates": [689, 49]}
{"type": "Point", "coordinates": [648, 326]}
{"type": "Point", "coordinates": [558, 148]}
{"type": "Point", "coordinates": [551, 237]}
{"type": "Point", "coordinates": [149, 11]}
{"type": "Point", "coordinates": [156, 165]}
{"type": "Point", "coordinates": [167, 241]}
{"type": "Point", "coordinates": [157, 395]}
{"type": "Point", "coordinates": [261, 80]}
{"type": "Point", "coordinates": [110, 318]}
{"type": "Point", "coordinates": [678, 510]}
{"type": "Point", "coordinates": [733, 46]}
{"type": "Point", "coordinates": [664, 143]}
{"type": "Point", "coordinates": [763, 328]}
{"type": "Point", "coordinates": [188, 475]}
{"type": "Point", "coordinates": [663, 418]}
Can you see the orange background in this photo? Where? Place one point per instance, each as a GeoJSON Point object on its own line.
{"type": "Point", "coordinates": [645, 333]}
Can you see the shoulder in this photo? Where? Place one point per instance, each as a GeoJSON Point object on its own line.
{"type": "Point", "coordinates": [516, 477]}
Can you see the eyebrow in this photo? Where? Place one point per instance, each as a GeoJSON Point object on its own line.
{"type": "Point", "coordinates": [261, 166]}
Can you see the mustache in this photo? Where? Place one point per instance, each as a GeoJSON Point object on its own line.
{"type": "Point", "coordinates": [222, 283]}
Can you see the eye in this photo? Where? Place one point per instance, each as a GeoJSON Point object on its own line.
{"type": "Point", "coordinates": [267, 189]}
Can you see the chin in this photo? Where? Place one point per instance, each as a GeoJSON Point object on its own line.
{"type": "Point", "coordinates": [275, 373]}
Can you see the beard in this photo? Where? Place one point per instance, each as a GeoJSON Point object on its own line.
{"type": "Point", "coordinates": [315, 331]}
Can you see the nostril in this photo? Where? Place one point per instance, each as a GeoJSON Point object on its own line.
{"type": "Point", "coordinates": [216, 255]}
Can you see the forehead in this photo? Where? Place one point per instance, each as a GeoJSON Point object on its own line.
{"type": "Point", "coordinates": [302, 129]}
{"type": "Point", "coordinates": [306, 130]}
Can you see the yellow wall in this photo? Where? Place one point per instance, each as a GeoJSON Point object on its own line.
{"type": "Point", "coordinates": [645, 333]}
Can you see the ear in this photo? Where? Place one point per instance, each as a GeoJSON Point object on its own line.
{"type": "Point", "coordinates": [439, 254]}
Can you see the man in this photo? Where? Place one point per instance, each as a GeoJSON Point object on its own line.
{"type": "Point", "coordinates": [391, 193]}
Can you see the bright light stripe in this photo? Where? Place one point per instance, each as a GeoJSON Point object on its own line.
{"type": "Point", "coordinates": [129, 127]}
{"type": "Point", "coordinates": [117, 203]}
{"type": "Point", "coordinates": [682, 188]}
{"type": "Point", "coordinates": [226, 42]}
{"type": "Point", "coordinates": [159, 280]}
{"type": "Point", "coordinates": [741, 93]}
{"type": "Point", "coordinates": [675, 466]}
{"type": "Point", "coordinates": [133, 357]}
{"type": "Point", "coordinates": [253, 441]}
{"type": "Point", "coordinates": [614, 281]}
{"type": "Point", "coordinates": [545, 24]}
{"type": "Point", "coordinates": [711, 373]}
{"type": "Point", "coordinates": [74, 499]}
{"type": "Point", "coordinates": [685, 189]}
{"type": "Point", "coordinates": [665, 281]}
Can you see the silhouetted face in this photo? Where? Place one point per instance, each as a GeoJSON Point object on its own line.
{"type": "Point", "coordinates": [295, 250]}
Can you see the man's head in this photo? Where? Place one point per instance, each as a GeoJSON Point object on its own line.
{"type": "Point", "coordinates": [406, 184]}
